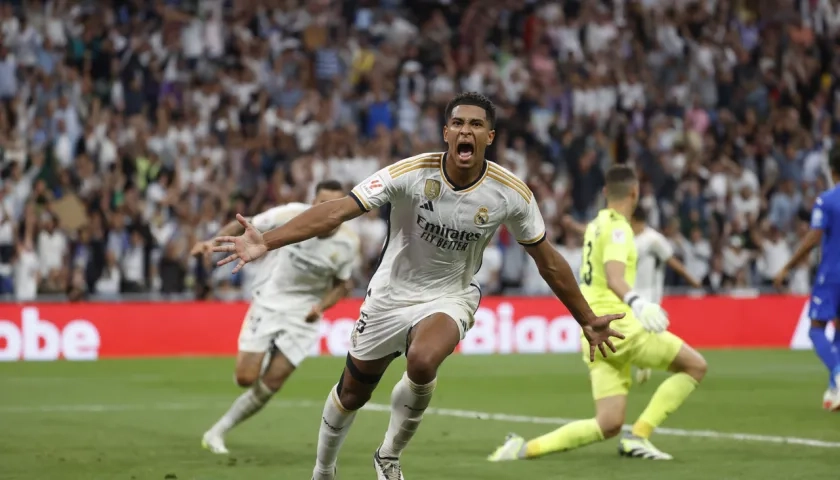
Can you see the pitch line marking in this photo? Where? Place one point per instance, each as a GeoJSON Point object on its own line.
{"type": "Point", "coordinates": [442, 412]}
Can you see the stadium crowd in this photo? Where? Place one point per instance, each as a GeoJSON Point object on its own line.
{"type": "Point", "coordinates": [130, 129]}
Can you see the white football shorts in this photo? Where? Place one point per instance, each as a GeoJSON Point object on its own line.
{"type": "Point", "coordinates": [381, 330]}
{"type": "Point", "coordinates": [288, 332]}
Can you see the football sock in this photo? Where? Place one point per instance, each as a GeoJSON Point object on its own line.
{"type": "Point", "coordinates": [335, 423]}
{"type": "Point", "coordinates": [572, 435]}
{"type": "Point", "coordinates": [823, 348]}
{"type": "Point", "coordinates": [408, 402]}
{"type": "Point", "coordinates": [668, 397]}
{"type": "Point", "coordinates": [835, 343]}
{"type": "Point", "coordinates": [247, 404]}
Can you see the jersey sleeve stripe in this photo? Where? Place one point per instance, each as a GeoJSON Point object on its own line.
{"type": "Point", "coordinates": [418, 166]}
{"type": "Point", "coordinates": [534, 241]}
{"type": "Point", "coordinates": [526, 194]}
{"type": "Point", "coordinates": [396, 168]}
{"type": "Point", "coordinates": [358, 198]}
{"type": "Point", "coordinates": [511, 177]}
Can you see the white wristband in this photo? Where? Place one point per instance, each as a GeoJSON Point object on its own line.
{"type": "Point", "coordinates": [630, 297]}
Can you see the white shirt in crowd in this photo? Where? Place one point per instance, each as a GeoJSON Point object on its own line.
{"type": "Point", "coordinates": [52, 247]}
{"type": "Point", "coordinates": [132, 265]}
{"type": "Point", "coordinates": [697, 257]}
{"type": "Point", "coordinates": [26, 269]}
{"type": "Point", "coordinates": [773, 257]}
{"type": "Point", "coordinates": [109, 282]}
{"type": "Point", "coordinates": [735, 257]}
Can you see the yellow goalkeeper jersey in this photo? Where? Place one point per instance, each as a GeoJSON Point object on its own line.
{"type": "Point", "coordinates": [608, 237]}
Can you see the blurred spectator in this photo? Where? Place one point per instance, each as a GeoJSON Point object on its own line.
{"type": "Point", "coordinates": [129, 129]}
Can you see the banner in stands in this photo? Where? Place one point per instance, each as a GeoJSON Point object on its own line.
{"type": "Point", "coordinates": [88, 331]}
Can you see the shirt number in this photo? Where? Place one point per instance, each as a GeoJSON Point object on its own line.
{"type": "Point", "coordinates": [587, 256]}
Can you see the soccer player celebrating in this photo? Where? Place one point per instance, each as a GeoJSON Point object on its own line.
{"type": "Point", "coordinates": [445, 208]}
{"type": "Point", "coordinates": [608, 272]}
{"type": "Point", "coordinates": [291, 289]}
{"type": "Point", "coordinates": [825, 295]}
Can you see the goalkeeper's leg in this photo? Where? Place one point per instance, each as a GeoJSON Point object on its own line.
{"type": "Point", "coordinates": [689, 368]}
{"type": "Point", "coordinates": [609, 387]}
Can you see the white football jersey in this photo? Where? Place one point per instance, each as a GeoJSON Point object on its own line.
{"type": "Point", "coordinates": [654, 250]}
{"type": "Point", "coordinates": [296, 277]}
{"type": "Point", "coordinates": [438, 232]}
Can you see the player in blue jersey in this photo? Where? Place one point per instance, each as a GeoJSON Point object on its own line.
{"type": "Point", "coordinates": [825, 293]}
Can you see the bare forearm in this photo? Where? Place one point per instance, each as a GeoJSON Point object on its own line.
{"type": "Point", "coordinates": [678, 267]}
{"type": "Point", "coordinates": [558, 275]}
{"type": "Point", "coordinates": [231, 229]}
{"type": "Point", "coordinates": [808, 243]}
{"type": "Point", "coordinates": [333, 296]}
{"type": "Point", "coordinates": [317, 221]}
{"type": "Point", "coordinates": [798, 256]}
{"type": "Point", "coordinates": [619, 286]}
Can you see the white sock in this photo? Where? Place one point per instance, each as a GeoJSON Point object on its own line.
{"type": "Point", "coordinates": [335, 423]}
{"type": "Point", "coordinates": [408, 402]}
{"type": "Point", "coordinates": [249, 403]}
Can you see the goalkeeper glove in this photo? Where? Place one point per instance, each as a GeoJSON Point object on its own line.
{"type": "Point", "coordinates": [652, 317]}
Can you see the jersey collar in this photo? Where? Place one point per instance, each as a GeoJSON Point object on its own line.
{"type": "Point", "coordinates": [465, 188]}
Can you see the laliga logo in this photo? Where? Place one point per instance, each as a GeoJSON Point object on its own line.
{"type": "Point", "coordinates": [38, 339]}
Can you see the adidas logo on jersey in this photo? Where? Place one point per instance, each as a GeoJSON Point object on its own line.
{"type": "Point", "coordinates": [428, 206]}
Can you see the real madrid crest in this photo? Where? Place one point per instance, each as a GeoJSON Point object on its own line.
{"type": "Point", "coordinates": [432, 189]}
{"type": "Point", "coordinates": [482, 217]}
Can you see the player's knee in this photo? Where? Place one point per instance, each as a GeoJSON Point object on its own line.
{"type": "Point", "coordinates": [354, 396]}
{"type": "Point", "coordinates": [610, 424]}
{"type": "Point", "coordinates": [697, 367]}
{"type": "Point", "coordinates": [422, 365]}
{"type": "Point", "coordinates": [246, 378]}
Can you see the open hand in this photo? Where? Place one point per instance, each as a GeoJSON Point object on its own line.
{"type": "Point", "coordinates": [598, 334]}
{"type": "Point", "coordinates": [246, 247]}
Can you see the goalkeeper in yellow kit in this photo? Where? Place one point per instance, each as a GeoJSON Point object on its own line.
{"type": "Point", "coordinates": [608, 272]}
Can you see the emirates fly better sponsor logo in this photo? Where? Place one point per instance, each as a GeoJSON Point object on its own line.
{"type": "Point", "coordinates": [445, 237]}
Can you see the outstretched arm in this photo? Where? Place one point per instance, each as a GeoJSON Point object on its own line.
{"type": "Point", "coordinates": [557, 273]}
{"type": "Point", "coordinates": [319, 220]}
{"type": "Point", "coordinates": [316, 221]}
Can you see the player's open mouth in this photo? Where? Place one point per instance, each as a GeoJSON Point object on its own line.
{"type": "Point", "coordinates": [465, 151]}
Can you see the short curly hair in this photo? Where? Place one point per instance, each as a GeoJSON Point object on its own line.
{"type": "Point", "coordinates": [475, 99]}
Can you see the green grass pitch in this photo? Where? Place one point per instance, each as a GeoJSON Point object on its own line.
{"type": "Point", "coordinates": [143, 419]}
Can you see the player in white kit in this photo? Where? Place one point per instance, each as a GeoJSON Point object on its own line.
{"type": "Point", "coordinates": [445, 208]}
{"type": "Point", "coordinates": [292, 287]}
{"type": "Point", "coordinates": [655, 252]}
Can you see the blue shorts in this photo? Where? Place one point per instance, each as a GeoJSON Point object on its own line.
{"type": "Point", "coordinates": [825, 302]}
